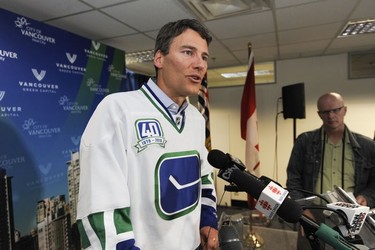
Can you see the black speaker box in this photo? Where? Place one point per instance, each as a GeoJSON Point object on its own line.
{"type": "Point", "coordinates": [294, 101]}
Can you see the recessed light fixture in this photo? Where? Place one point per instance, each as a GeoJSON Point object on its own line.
{"type": "Point", "coordinates": [244, 73]}
{"type": "Point", "coordinates": [139, 56]}
{"type": "Point", "coordinates": [214, 9]}
{"type": "Point", "coordinates": [358, 27]}
{"type": "Point", "coordinates": [234, 74]}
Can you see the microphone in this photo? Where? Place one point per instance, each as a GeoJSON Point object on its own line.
{"type": "Point", "coordinates": [229, 238]}
{"type": "Point", "coordinates": [348, 218]}
{"type": "Point", "coordinates": [232, 170]}
{"type": "Point", "coordinates": [347, 198]}
{"type": "Point", "coordinates": [355, 214]}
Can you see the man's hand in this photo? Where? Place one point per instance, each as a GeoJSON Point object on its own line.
{"type": "Point", "coordinates": [209, 238]}
{"type": "Point", "coordinates": [361, 200]}
{"type": "Point", "coordinates": [308, 214]}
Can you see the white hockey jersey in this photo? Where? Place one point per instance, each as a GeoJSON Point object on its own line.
{"type": "Point", "coordinates": [145, 183]}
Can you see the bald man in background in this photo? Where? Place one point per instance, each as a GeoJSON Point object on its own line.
{"type": "Point", "coordinates": [332, 155]}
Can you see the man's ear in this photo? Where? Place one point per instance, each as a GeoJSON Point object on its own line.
{"type": "Point", "coordinates": [345, 109]}
{"type": "Point", "coordinates": [158, 60]}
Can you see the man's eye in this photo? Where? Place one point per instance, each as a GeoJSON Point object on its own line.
{"type": "Point", "coordinates": [188, 52]}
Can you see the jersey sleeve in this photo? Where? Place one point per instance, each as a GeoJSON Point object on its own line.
{"type": "Point", "coordinates": [209, 213]}
{"type": "Point", "coordinates": [103, 204]}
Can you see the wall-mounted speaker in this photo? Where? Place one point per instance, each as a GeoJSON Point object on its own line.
{"type": "Point", "coordinates": [294, 101]}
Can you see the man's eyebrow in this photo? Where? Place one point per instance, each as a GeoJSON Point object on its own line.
{"type": "Point", "coordinates": [193, 48]}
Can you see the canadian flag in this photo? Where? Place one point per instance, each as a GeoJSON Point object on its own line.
{"type": "Point", "coordinates": [249, 121]}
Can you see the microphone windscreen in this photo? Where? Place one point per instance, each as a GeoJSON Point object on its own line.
{"type": "Point", "coordinates": [289, 210]}
{"type": "Point", "coordinates": [218, 159]}
{"type": "Point", "coordinates": [229, 238]}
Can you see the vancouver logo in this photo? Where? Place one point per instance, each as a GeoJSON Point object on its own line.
{"type": "Point", "coordinates": [21, 22]}
{"type": "Point", "coordinates": [94, 52]}
{"type": "Point", "coordinates": [71, 58]}
{"type": "Point", "coordinates": [38, 75]}
{"type": "Point", "coordinates": [45, 168]}
{"type": "Point", "coordinates": [95, 87]}
{"type": "Point", "coordinates": [35, 34]}
{"type": "Point", "coordinates": [116, 73]}
{"type": "Point", "coordinates": [32, 128]}
{"type": "Point", "coordinates": [95, 44]}
{"type": "Point", "coordinates": [73, 107]}
{"type": "Point", "coordinates": [2, 94]}
{"type": "Point", "coordinates": [75, 140]}
{"type": "Point", "coordinates": [7, 54]}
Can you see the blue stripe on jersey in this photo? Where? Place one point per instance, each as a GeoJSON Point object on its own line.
{"type": "Point", "coordinates": [126, 245]}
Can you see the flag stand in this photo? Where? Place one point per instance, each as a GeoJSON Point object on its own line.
{"type": "Point", "coordinates": [251, 238]}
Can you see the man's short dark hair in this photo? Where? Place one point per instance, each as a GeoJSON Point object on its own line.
{"type": "Point", "coordinates": [173, 29]}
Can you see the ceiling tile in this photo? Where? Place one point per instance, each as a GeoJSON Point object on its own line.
{"type": "Point", "coordinates": [366, 8]}
{"type": "Point", "coordinates": [221, 59]}
{"type": "Point", "coordinates": [298, 50]}
{"type": "Point", "coordinates": [131, 43]}
{"type": "Point", "coordinates": [257, 41]}
{"type": "Point", "coordinates": [216, 46]}
{"type": "Point", "coordinates": [260, 55]}
{"type": "Point", "coordinates": [314, 33]}
{"type": "Point", "coordinates": [146, 15]}
{"type": "Point", "coordinates": [244, 25]}
{"type": "Point", "coordinates": [103, 3]}
{"type": "Point", "coordinates": [93, 25]}
{"type": "Point", "coordinates": [317, 13]}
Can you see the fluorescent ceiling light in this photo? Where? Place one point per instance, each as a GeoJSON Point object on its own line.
{"type": "Point", "coordinates": [358, 27]}
{"type": "Point", "coordinates": [139, 56]}
{"type": "Point", "coordinates": [244, 73]}
{"type": "Point", "coordinates": [219, 8]}
{"type": "Point", "coordinates": [234, 74]}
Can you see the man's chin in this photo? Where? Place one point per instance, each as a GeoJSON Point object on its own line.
{"type": "Point", "coordinates": [193, 91]}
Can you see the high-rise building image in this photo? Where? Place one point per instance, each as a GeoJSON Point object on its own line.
{"type": "Point", "coordinates": [73, 174]}
{"type": "Point", "coordinates": [53, 224]}
{"type": "Point", "coordinates": [73, 184]}
{"type": "Point", "coordinates": [6, 212]}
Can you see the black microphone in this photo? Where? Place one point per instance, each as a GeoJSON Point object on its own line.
{"type": "Point", "coordinates": [231, 170]}
{"type": "Point", "coordinates": [229, 238]}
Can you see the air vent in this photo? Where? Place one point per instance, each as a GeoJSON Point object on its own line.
{"type": "Point", "coordinates": [213, 9]}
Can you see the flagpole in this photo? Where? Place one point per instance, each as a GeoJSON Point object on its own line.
{"type": "Point", "coordinates": [249, 45]}
{"type": "Point", "coordinates": [251, 238]}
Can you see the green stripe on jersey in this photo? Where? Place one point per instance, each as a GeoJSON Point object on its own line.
{"type": "Point", "coordinates": [97, 224]}
{"type": "Point", "coordinates": [122, 220]}
{"type": "Point", "coordinates": [82, 234]}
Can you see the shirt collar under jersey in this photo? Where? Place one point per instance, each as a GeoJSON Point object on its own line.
{"type": "Point", "coordinates": [172, 107]}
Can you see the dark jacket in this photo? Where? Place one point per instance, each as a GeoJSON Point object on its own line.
{"type": "Point", "coordinates": [306, 160]}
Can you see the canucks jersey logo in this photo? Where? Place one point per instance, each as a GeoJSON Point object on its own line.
{"type": "Point", "coordinates": [149, 132]}
{"type": "Point", "coordinates": [178, 186]}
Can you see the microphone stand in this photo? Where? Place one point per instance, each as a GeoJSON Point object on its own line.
{"type": "Point", "coordinates": [315, 233]}
{"type": "Point", "coordinates": [250, 238]}
{"type": "Point", "coordinates": [310, 227]}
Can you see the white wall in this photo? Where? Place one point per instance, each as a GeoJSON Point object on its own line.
{"type": "Point", "coordinates": [320, 75]}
